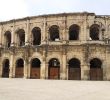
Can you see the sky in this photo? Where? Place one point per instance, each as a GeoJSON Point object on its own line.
{"type": "Point", "coordinates": [13, 9]}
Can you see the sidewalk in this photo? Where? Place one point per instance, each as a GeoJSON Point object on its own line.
{"type": "Point", "coordinates": [33, 89]}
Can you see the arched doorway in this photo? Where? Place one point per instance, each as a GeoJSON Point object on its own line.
{"type": "Point", "coordinates": [96, 71]}
{"type": "Point", "coordinates": [6, 70]}
{"type": "Point", "coordinates": [94, 32]}
{"type": "Point", "coordinates": [74, 70]}
{"type": "Point", "coordinates": [19, 72]}
{"type": "Point", "coordinates": [35, 68]}
{"type": "Point", "coordinates": [36, 32]}
{"type": "Point", "coordinates": [54, 33]}
{"type": "Point", "coordinates": [74, 32]}
{"type": "Point", "coordinates": [54, 69]}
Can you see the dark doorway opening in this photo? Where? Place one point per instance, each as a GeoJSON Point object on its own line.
{"type": "Point", "coordinates": [74, 71]}
{"type": "Point", "coordinates": [19, 72]}
{"type": "Point", "coordinates": [54, 69]}
{"type": "Point", "coordinates": [35, 68]}
{"type": "Point", "coordinates": [96, 71]}
{"type": "Point", "coordinates": [6, 70]}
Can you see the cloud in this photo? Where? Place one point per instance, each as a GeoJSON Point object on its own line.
{"type": "Point", "coordinates": [10, 9]}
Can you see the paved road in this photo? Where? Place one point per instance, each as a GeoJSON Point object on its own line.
{"type": "Point", "coordinates": [32, 89]}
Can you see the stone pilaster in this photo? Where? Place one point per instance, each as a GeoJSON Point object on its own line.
{"type": "Point", "coordinates": [106, 65]}
{"type": "Point", "coordinates": [84, 32]}
{"type": "Point", "coordinates": [28, 70]}
{"type": "Point", "coordinates": [87, 32]}
{"type": "Point", "coordinates": [43, 70]}
{"type": "Point", "coordinates": [14, 69]}
{"type": "Point", "coordinates": [27, 33]}
{"type": "Point", "coordinates": [11, 66]}
{"type": "Point", "coordinates": [0, 35]}
{"type": "Point", "coordinates": [64, 68]}
{"type": "Point", "coordinates": [13, 35]}
{"type": "Point", "coordinates": [46, 71]}
{"type": "Point", "coordinates": [44, 31]}
{"type": "Point", "coordinates": [105, 70]}
{"type": "Point", "coordinates": [85, 72]}
{"type": "Point", "coordinates": [67, 66]}
{"type": "Point", "coordinates": [0, 69]}
{"type": "Point", "coordinates": [25, 69]}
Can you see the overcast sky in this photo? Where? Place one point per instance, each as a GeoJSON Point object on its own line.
{"type": "Point", "coordinates": [11, 9]}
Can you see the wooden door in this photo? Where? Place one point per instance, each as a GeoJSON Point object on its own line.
{"type": "Point", "coordinates": [5, 72]}
{"type": "Point", "coordinates": [54, 73]}
{"type": "Point", "coordinates": [96, 74]}
{"type": "Point", "coordinates": [74, 74]}
{"type": "Point", "coordinates": [19, 73]}
{"type": "Point", "coordinates": [35, 73]}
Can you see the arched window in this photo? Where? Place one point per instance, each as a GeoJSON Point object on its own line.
{"type": "Point", "coordinates": [21, 37]}
{"type": "Point", "coordinates": [94, 32]}
{"type": "Point", "coordinates": [74, 32]}
{"type": "Point", "coordinates": [95, 63]}
{"type": "Point", "coordinates": [7, 36]}
{"type": "Point", "coordinates": [36, 32]}
{"type": "Point", "coordinates": [54, 33]}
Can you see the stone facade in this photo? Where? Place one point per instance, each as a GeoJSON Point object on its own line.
{"type": "Point", "coordinates": [29, 47]}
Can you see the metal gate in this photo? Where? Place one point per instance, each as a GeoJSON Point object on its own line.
{"type": "Point", "coordinates": [54, 73]}
{"type": "Point", "coordinates": [35, 73]}
{"type": "Point", "coordinates": [96, 74]}
{"type": "Point", "coordinates": [74, 74]}
{"type": "Point", "coordinates": [19, 72]}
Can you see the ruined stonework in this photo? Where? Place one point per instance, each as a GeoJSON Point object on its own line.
{"type": "Point", "coordinates": [72, 46]}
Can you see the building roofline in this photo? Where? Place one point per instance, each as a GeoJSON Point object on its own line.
{"type": "Point", "coordinates": [47, 15]}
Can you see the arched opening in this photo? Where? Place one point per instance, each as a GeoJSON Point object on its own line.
{"type": "Point", "coordinates": [96, 71]}
{"type": "Point", "coordinates": [21, 37]}
{"type": "Point", "coordinates": [54, 69]}
{"type": "Point", "coordinates": [19, 72]}
{"type": "Point", "coordinates": [74, 32]}
{"type": "Point", "coordinates": [7, 36]}
{"type": "Point", "coordinates": [94, 32]}
{"type": "Point", "coordinates": [35, 68]}
{"type": "Point", "coordinates": [54, 33]}
{"type": "Point", "coordinates": [74, 71]}
{"type": "Point", "coordinates": [36, 32]}
{"type": "Point", "coordinates": [5, 70]}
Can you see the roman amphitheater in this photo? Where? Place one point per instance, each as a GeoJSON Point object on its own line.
{"type": "Point", "coordinates": [66, 46]}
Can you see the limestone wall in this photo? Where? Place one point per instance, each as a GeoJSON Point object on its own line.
{"type": "Point", "coordinates": [83, 49]}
